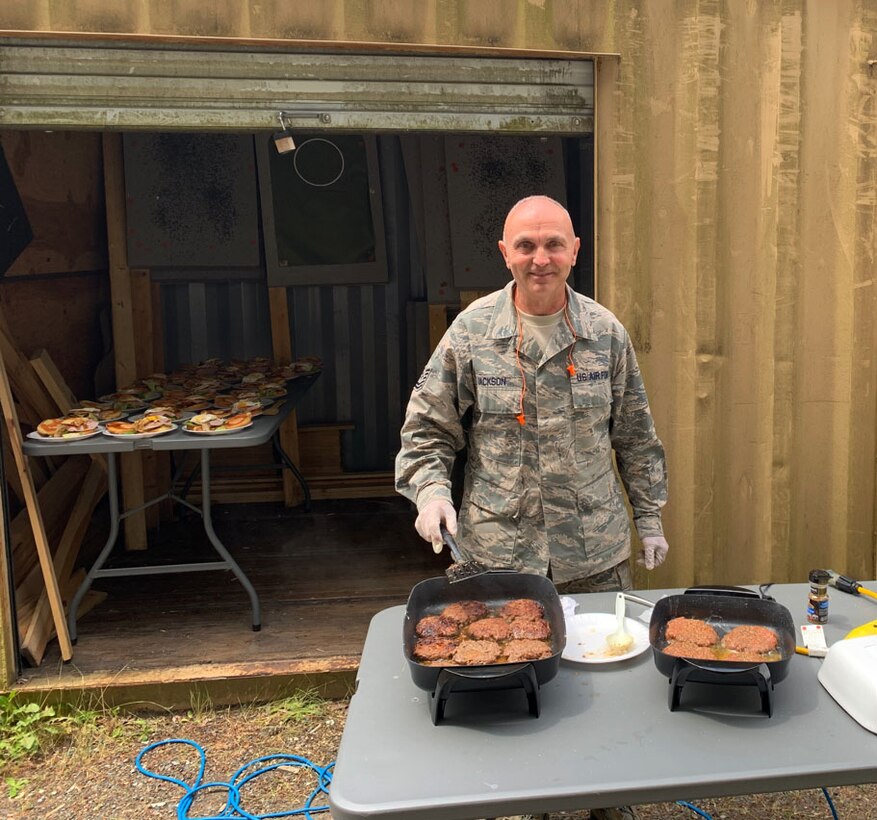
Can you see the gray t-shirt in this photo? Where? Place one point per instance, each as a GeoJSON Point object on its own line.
{"type": "Point", "coordinates": [540, 328]}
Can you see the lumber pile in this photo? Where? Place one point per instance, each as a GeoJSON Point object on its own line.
{"type": "Point", "coordinates": [67, 491]}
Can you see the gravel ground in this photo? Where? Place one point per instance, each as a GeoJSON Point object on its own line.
{"type": "Point", "coordinates": [88, 773]}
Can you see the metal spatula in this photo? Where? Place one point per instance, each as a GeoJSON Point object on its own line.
{"type": "Point", "coordinates": [460, 570]}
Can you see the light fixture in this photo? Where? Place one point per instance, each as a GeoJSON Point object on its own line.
{"type": "Point", "coordinates": [283, 141]}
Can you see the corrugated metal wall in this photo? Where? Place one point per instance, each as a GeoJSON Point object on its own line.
{"type": "Point", "coordinates": [736, 222]}
{"type": "Point", "coordinates": [360, 332]}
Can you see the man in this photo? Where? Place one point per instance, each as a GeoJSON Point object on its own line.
{"type": "Point", "coordinates": [541, 385]}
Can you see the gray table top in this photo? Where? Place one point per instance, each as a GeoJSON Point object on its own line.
{"type": "Point", "coordinates": [605, 735]}
{"type": "Point", "coordinates": [263, 428]}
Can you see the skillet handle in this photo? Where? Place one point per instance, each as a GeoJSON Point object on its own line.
{"type": "Point", "coordinates": [721, 589]}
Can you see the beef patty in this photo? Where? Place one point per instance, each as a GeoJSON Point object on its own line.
{"type": "Point", "coordinates": [530, 628]}
{"type": "Point", "coordinates": [522, 608]}
{"type": "Point", "coordinates": [687, 649]}
{"type": "Point", "coordinates": [464, 612]}
{"type": "Point", "coordinates": [494, 629]}
{"type": "Point", "coordinates": [476, 653]}
{"type": "Point", "coordinates": [527, 650]}
{"type": "Point", "coordinates": [436, 626]}
{"type": "Point", "coordinates": [750, 638]}
{"type": "Point", "coordinates": [691, 630]}
{"type": "Point", "coordinates": [434, 649]}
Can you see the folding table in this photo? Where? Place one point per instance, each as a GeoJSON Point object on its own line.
{"type": "Point", "coordinates": [264, 428]}
{"type": "Point", "coordinates": [605, 736]}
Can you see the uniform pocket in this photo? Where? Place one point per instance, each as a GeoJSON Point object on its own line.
{"type": "Point", "coordinates": [489, 524]}
{"type": "Point", "coordinates": [605, 525]}
{"type": "Point", "coordinates": [496, 432]}
{"type": "Point", "coordinates": [592, 405]}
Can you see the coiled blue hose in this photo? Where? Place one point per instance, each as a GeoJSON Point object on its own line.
{"type": "Point", "coordinates": [245, 774]}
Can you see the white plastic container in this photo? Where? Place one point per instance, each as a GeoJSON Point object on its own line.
{"type": "Point", "coordinates": [849, 673]}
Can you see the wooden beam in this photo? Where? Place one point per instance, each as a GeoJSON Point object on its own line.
{"type": "Point", "coordinates": [39, 631]}
{"type": "Point", "coordinates": [141, 311]}
{"type": "Point", "coordinates": [55, 498]}
{"type": "Point", "coordinates": [30, 494]}
{"type": "Point", "coordinates": [124, 343]}
{"type": "Point", "coordinates": [438, 324]}
{"type": "Point", "coordinates": [27, 387]}
{"type": "Point", "coordinates": [281, 341]}
{"type": "Point", "coordinates": [8, 664]}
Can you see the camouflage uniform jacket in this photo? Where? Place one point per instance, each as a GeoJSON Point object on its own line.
{"type": "Point", "coordinates": [545, 490]}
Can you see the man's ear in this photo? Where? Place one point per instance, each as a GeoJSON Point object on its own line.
{"type": "Point", "coordinates": [502, 250]}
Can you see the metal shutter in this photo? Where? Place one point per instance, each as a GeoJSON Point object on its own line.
{"type": "Point", "coordinates": [65, 85]}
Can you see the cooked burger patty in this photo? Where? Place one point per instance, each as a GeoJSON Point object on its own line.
{"type": "Point", "coordinates": [494, 629]}
{"type": "Point", "coordinates": [436, 626]}
{"type": "Point", "coordinates": [464, 612]}
{"type": "Point", "coordinates": [476, 653]}
{"type": "Point", "coordinates": [688, 649]}
{"type": "Point", "coordinates": [530, 628]}
{"type": "Point", "coordinates": [522, 608]}
{"type": "Point", "coordinates": [691, 630]}
{"type": "Point", "coordinates": [750, 639]}
{"type": "Point", "coordinates": [527, 650]}
{"type": "Point", "coordinates": [434, 649]}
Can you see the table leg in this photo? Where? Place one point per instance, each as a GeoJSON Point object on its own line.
{"type": "Point", "coordinates": [218, 545]}
{"type": "Point", "coordinates": [290, 465]}
{"type": "Point", "coordinates": [113, 496]}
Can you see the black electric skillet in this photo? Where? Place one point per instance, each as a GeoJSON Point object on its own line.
{"type": "Point", "coordinates": [494, 589]}
{"type": "Point", "coordinates": [723, 607]}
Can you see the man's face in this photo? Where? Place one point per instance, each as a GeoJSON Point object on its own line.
{"type": "Point", "coordinates": [539, 248]}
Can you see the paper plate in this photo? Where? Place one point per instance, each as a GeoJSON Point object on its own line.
{"type": "Point", "coordinates": [35, 436]}
{"type": "Point", "coordinates": [150, 434]}
{"type": "Point", "coordinates": [586, 635]}
{"type": "Point", "coordinates": [217, 432]}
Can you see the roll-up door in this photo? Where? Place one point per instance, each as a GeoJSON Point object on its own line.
{"type": "Point", "coordinates": [67, 85]}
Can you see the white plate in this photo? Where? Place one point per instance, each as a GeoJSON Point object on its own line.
{"type": "Point", "coordinates": [150, 434]}
{"type": "Point", "coordinates": [217, 432]}
{"type": "Point", "coordinates": [35, 436]}
{"type": "Point", "coordinates": [586, 635]}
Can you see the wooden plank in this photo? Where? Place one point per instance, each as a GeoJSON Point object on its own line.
{"type": "Point", "coordinates": [54, 498]}
{"type": "Point", "coordinates": [438, 324]}
{"type": "Point", "coordinates": [124, 344]}
{"type": "Point", "coordinates": [24, 384]}
{"type": "Point", "coordinates": [53, 381]}
{"type": "Point", "coordinates": [467, 297]}
{"type": "Point", "coordinates": [8, 660]}
{"type": "Point", "coordinates": [12, 478]}
{"type": "Point", "coordinates": [141, 311]}
{"type": "Point", "coordinates": [30, 495]}
{"type": "Point", "coordinates": [281, 342]}
{"type": "Point", "coordinates": [162, 459]}
{"type": "Point", "coordinates": [39, 631]}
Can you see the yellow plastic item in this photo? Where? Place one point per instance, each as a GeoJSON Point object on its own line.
{"type": "Point", "coordinates": [862, 631]}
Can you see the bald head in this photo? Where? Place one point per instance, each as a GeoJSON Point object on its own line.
{"type": "Point", "coordinates": [536, 204]}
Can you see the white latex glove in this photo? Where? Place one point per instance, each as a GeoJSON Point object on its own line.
{"type": "Point", "coordinates": [431, 516]}
{"type": "Point", "coordinates": [654, 551]}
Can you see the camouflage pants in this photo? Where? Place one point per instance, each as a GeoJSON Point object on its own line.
{"type": "Point", "coordinates": [610, 580]}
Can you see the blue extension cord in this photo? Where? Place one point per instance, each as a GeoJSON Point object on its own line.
{"type": "Point", "coordinates": [239, 779]}
{"type": "Point", "coordinates": [702, 813]}
{"type": "Point", "coordinates": [324, 778]}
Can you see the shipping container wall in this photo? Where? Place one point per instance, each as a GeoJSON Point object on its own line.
{"type": "Point", "coordinates": [736, 155]}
